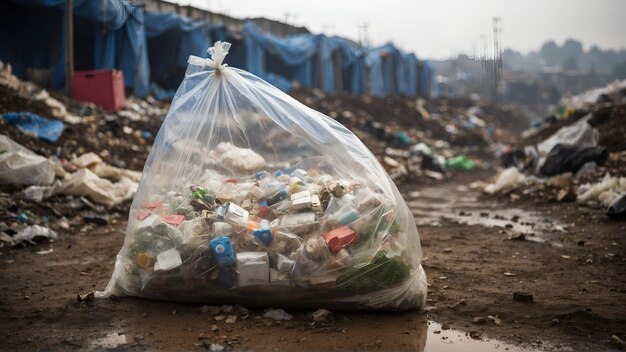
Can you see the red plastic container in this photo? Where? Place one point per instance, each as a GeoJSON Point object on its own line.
{"type": "Point", "coordinates": [104, 88]}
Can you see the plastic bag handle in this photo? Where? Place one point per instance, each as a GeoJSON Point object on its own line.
{"type": "Point", "coordinates": [218, 52]}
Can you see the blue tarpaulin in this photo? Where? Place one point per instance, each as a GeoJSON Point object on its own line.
{"type": "Point", "coordinates": [154, 47]}
{"type": "Point", "coordinates": [426, 80]}
{"type": "Point", "coordinates": [29, 123]}
{"type": "Point", "coordinates": [171, 39]}
{"type": "Point", "coordinates": [107, 34]}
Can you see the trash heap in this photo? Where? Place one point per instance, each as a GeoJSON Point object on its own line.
{"type": "Point", "coordinates": [66, 166]}
{"type": "Point", "coordinates": [579, 154]}
{"type": "Point", "coordinates": [416, 139]}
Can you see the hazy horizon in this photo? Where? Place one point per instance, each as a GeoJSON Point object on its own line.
{"type": "Point", "coordinates": [453, 26]}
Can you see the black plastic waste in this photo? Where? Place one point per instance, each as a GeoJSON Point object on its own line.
{"type": "Point", "coordinates": [617, 209]}
{"type": "Point", "coordinates": [570, 158]}
{"type": "Point", "coordinates": [514, 157]}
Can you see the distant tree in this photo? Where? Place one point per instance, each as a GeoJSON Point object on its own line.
{"type": "Point", "coordinates": [619, 70]}
{"type": "Point", "coordinates": [550, 53]}
{"type": "Point", "coordinates": [572, 47]}
{"type": "Point", "coordinates": [570, 64]}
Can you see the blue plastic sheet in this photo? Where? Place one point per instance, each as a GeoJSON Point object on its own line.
{"type": "Point", "coordinates": [108, 34]}
{"type": "Point", "coordinates": [29, 123]}
{"type": "Point", "coordinates": [171, 39]}
{"type": "Point", "coordinates": [154, 47]}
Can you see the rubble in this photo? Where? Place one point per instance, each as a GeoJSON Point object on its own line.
{"type": "Point", "coordinates": [277, 314]}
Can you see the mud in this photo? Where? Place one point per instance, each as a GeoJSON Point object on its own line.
{"type": "Point", "coordinates": [576, 278]}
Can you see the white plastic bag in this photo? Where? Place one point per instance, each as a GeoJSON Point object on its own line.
{"type": "Point", "coordinates": [580, 134]}
{"type": "Point", "coordinates": [250, 197]}
{"type": "Point", "coordinates": [21, 166]}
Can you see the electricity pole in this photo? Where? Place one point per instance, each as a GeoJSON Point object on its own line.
{"type": "Point", "coordinates": [69, 48]}
{"type": "Point", "coordinates": [497, 59]}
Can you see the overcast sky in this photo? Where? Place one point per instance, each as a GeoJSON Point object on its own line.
{"type": "Point", "coordinates": [445, 28]}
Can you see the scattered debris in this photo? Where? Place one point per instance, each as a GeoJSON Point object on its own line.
{"type": "Point", "coordinates": [323, 316]}
{"type": "Point", "coordinates": [33, 234]}
{"type": "Point", "coordinates": [523, 297]}
{"type": "Point", "coordinates": [617, 342]}
{"type": "Point", "coordinates": [479, 320]}
{"type": "Point", "coordinates": [277, 314]}
{"type": "Point", "coordinates": [495, 319]}
{"type": "Point", "coordinates": [88, 297]}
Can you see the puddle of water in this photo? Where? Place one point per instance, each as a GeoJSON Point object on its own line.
{"type": "Point", "coordinates": [110, 341]}
{"type": "Point", "coordinates": [439, 340]}
{"type": "Point", "coordinates": [431, 205]}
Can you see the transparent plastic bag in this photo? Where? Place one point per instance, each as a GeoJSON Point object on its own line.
{"type": "Point", "coordinates": [250, 197]}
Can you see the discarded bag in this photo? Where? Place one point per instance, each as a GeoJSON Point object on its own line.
{"type": "Point", "coordinates": [569, 158]}
{"type": "Point", "coordinates": [225, 213]}
{"type": "Point", "coordinates": [580, 134]}
{"type": "Point", "coordinates": [617, 209]}
{"type": "Point", "coordinates": [21, 166]}
{"type": "Point", "coordinates": [41, 127]}
{"type": "Point", "coordinates": [85, 183]}
{"type": "Point", "coordinates": [507, 180]}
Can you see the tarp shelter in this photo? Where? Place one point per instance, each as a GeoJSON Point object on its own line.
{"type": "Point", "coordinates": [107, 34]}
{"type": "Point", "coordinates": [426, 80]}
{"type": "Point", "coordinates": [383, 70]}
{"type": "Point", "coordinates": [290, 58]}
{"type": "Point", "coordinates": [407, 80]}
{"type": "Point", "coordinates": [171, 39]}
{"type": "Point", "coordinates": [341, 65]}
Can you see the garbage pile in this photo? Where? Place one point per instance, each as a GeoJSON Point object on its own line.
{"type": "Point", "coordinates": [53, 177]}
{"type": "Point", "coordinates": [577, 155]}
{"type": "Point", "coordinates": [416, 139]}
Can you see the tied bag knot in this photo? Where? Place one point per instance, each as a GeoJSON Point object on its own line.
{"type": "Point", "coordinates": [218, 52]}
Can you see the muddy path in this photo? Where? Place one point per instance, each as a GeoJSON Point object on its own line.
{"type": "Point", "coordinates": [571, 260]}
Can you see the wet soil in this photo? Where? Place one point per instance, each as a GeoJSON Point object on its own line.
{"type": "Point", "coordinates": [576, 277]}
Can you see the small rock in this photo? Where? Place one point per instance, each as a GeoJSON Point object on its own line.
{"type": "Point", "coordinates": [277, 314]}
{"type": "Point", "coordinates": [479, 320]}
{"type": "Point", "coordinates": [617, 342]}
{"type": "Point", "coordinates": [214, 328]}
{"type": "Point", "coordinates": [461, 302]}
{"type": "Point", "coordinates": [219, 318]}
{"type": "Point", "coordinates": [509, 274]}
{"type": "Point", "coordinates": [216, 347]}
{"type": "Point", "coordinates": [496, 320]}
{"type": "Point", "coordinates": [227, 309]}
{"type": "Point", "coordinates": [231, 319]}
{"type": "Point", "coordinates": [476, 335]}
{"type": "Point", "coordinates": [518, 237]}
{"type": "Point", "coordinates": [211, 309]}
{"type": "Point", "coordinates": [242, 310]}
{"type": "Point", "coordinates": [447, 250]}
{"type": "Point", "coordinates": [523, 297]}
{"type": "Point", "coordinates": [323, 316]}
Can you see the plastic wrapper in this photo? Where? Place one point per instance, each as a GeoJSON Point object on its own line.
{"type": "Point", "coordinates": [250, 197]}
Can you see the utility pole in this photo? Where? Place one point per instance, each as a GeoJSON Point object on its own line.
{"type": "Point", "coordinates": [483, 65]}
{"type": "Point", "coordinates": [363, 36]}
{"type": "Point", "coordinates": [497, 59]}
{"type": "Point", "coordinates": [69, 48]}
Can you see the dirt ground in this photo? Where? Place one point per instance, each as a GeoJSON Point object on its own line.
{"type": "Point", "coordinates": [575, 273]}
